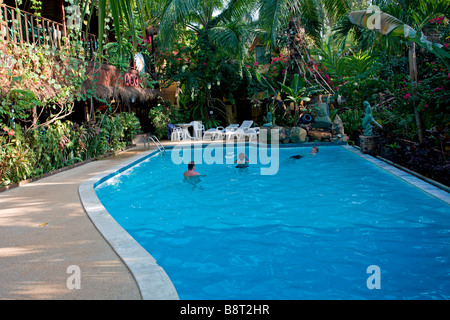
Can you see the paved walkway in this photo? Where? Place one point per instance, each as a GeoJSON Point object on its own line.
{"type": "Point", "coordinates": [44, 230]}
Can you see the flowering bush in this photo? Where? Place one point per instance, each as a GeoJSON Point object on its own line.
{"type": "Point", "coordinates": [276, 68]}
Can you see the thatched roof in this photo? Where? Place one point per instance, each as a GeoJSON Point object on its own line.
{"type": "Point", "coordinates": [139, 94]}
{"type": "Point", "coordinates": [125, 94]}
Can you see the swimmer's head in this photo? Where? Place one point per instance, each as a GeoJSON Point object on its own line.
{"type": "Point", "coordinates": [241, 156]}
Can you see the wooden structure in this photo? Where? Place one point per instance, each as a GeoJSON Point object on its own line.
{"type": "Point", "coordinates": [20, 27]}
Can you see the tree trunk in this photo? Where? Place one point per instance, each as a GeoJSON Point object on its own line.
{"type": "Point", "coordinates": [413, 78]}
{"type": "Point", "coordinates": [34, 117]}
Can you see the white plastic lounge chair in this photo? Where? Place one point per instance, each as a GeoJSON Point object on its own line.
{"type": "Point", "coordinates": [213, 133]}
{"type": "Point", "coordinates": [198, 128]}
{"type": "Point", "coordinates": [251, 134]}
{"type": "Point", "coordinates": [220, 132]}
{"type": "Point", "coordinates": [241, 130]}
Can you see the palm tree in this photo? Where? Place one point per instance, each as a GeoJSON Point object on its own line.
{"type": "Point", "coordinates": [314, 15]}
{"type": "Point", "coordinates": [175, 14]}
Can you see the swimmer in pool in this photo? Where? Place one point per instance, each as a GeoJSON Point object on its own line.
{"type": "Point", "coordinates": [191, 170]}
{"type": "Point", "coordinates": [313, 153]}
{"type": "Point", "coordinates": [242, 161]}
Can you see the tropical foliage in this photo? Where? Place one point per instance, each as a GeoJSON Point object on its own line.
{"type": "Point", "coordinates": [61, 144]}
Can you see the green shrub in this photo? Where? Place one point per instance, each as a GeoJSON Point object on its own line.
{"type": "Point", "coordinates": [16, 157]}
{"type": "Point", "coordinates": [60, 144]}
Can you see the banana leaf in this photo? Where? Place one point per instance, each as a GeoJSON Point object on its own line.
{"type": "Point", "coordinates": [388, 25]}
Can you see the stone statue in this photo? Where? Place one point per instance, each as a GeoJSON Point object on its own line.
{"type": "Point", "coordinates": [269, 120]}
{"type": "Point", "coordinates": [368, 120]}
{"type": "Point", "coordinates": [338, 125]}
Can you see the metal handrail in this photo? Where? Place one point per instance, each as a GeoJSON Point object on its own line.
{"type": "Point", "coordinates": [155, 141]}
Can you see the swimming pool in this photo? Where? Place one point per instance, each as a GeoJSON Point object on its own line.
{"type": "Point", "coordinates": [308, 232]}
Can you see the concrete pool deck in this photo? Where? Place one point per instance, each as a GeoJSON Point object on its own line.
{"type": "Point", "coordinates": [44, 230]}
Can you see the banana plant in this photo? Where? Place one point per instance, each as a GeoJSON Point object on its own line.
{"type": "Point", "coordinates": [388, 25]}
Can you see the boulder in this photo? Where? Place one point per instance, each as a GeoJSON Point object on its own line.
{"type": "Point", "coordinates": [298, 135]}
{"type": "Point", "coordinates": [284, 135]}
{"type": "Point", "coordinates": [338, 126]}
{"type": "Point", "coordinates": [319, 135]}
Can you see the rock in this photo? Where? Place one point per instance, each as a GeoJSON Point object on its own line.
{"type": "Point", "coordinates": [284, 135]}
{"type": "Point", "coordinates": [319, 135]}
{"type": "Point", "coordinates": [338, 126]}
{"type": "Point", "coordinates": [298, 135]}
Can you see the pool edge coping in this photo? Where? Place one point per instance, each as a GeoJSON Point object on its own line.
{"type": "Point", "coordinates": [151, 279]}
{"type": "Point", "coordinates": [407, 177]}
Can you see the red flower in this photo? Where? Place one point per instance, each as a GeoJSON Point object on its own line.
{"type": "Point", "coordinates": [5, 129]}
{"type": "Point", "coordinates": [11, 132]}
{"type": "Point", "coordinates": [407, 96]}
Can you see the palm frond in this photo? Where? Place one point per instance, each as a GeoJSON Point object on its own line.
{"type": "Point", "coordinates": [335, 9]}
{"type": "Point", "coordinates": [312, 15]}
{"type": "Point", "coordinates": [230, 38]}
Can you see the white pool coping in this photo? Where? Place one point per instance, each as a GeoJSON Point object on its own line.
{"type": "Point", "coordinates": [405, 176]}
{"type": "Point", "coordinates": [152, 280]}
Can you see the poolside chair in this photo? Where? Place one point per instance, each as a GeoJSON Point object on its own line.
{"type": "Point", "coordinates": [241, 131]}
{"type": "Point", "coordinates": [220, 132]}
{"type": "Point", "coordinates": [174, 133]}
{"type": "Point", "coordinates": [213, 133]}
{"type": "Point", "coordinates": [250, 133]}
{"type": "Point", "coordinates": [170, 128]}
{"type": "Point", "coordinates": [198, 128]}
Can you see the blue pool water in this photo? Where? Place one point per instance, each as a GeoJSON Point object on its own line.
{"type": "Point", "coordinates": [308, 232]}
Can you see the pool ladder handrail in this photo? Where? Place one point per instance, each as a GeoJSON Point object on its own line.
{"type": "Point", "coordinates": [155, 141]}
